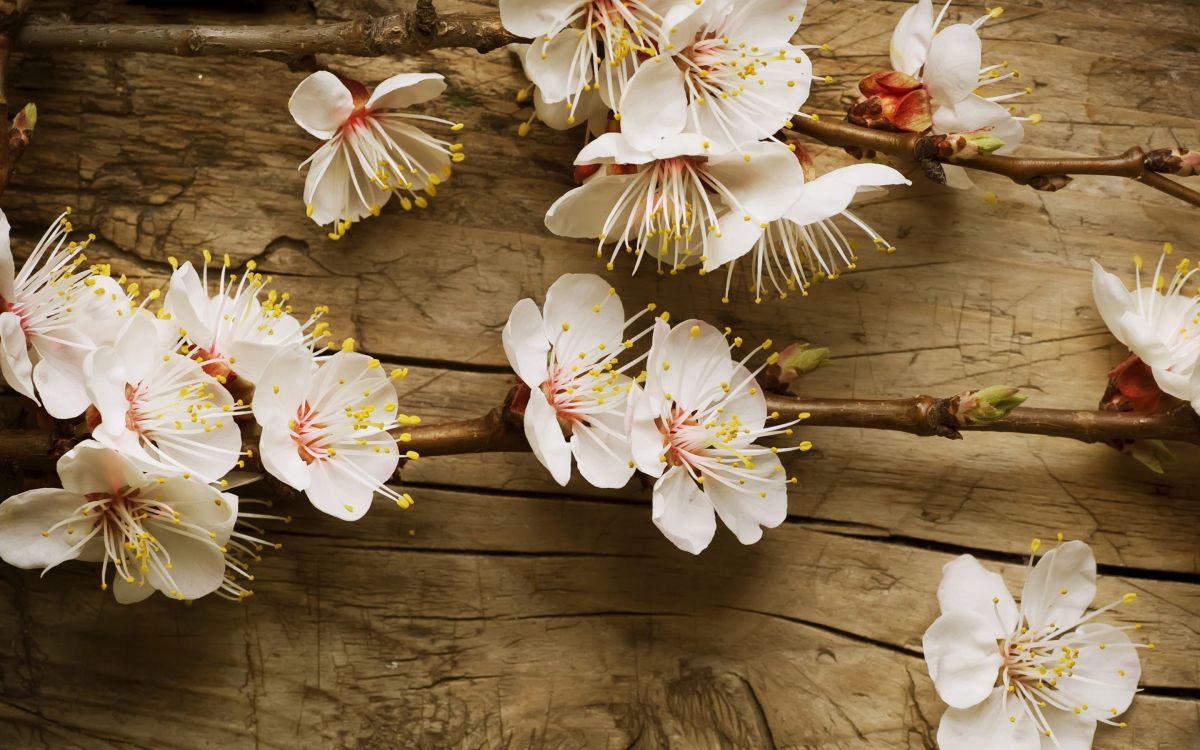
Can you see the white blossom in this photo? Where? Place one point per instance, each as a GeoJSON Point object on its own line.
{"type": "Point", "coordinates": [950, 65]}
{"type": "Point", "coordinates": [587, 50]}
{"type": "Point", "coordinates": [805, 244]}
{"type": "Point", "coordinates": [1157, 321]}
{"type": "Point", "coordinates": [234, 332]}
{"type": "Point", "coordinates": [674, 200]}
{"type": "Point", "coordinates": [1038, 676]}
{"type": "Point", "coordinates": [567, 355]}
{"type": "Point", "coordinates": [695, 426]}
{"type": "Point", "coordinates": [736, 79]}
{"type": "Point", "coordinates": [325, 428]}
{"type": "Point", "coordinates": [52, 313]}
{"type": "Point", "coordinates": [159, 407]}
{"type": "Point", "coordinates": [158, 533]}
{"type": "Point", "coordinates": [372, 148]}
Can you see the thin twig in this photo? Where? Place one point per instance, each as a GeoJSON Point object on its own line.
{"type": "Point", "coordinates": [1038, 173]}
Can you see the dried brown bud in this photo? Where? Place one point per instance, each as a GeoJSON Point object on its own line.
{"type": "Point", "coordinates": [892, 101]}
{"type": "Point", "coordinates": [1177, 161]}
{"type": "Point", "coordinates": [1050, 183]}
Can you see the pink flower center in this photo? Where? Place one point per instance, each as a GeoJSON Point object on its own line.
{"type": "Point", "coordinates": [307, 432]}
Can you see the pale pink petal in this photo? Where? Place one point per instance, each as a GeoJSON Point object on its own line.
{"type": "Point", "coordinates": [281, 457]}
{"type": "Point", "coordinates": [91, 468]}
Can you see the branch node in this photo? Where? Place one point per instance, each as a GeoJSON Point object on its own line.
{"type": "Point", "coordinates": [427, 18]}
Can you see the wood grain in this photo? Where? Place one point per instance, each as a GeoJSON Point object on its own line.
{"type": "Point", "coordinates": [502, 611]}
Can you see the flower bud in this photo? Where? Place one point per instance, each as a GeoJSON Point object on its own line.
{"type": "Point", "coordinates": [1132, 387]}
{"type": "Point", "coordinates": [795, 360]}
{"type": "Point", "coordinates": [987, 405]}
{"type": "Point", "coordinates": [892, 101]}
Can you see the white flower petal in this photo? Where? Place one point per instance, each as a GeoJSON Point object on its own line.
{"type": "Point", "coordinates": [744, 509]}
{"type": "Point", "coordinates": [682, 512]}
{"type": "Point", "coordinates": [646, 441]}
{"type": "Point", "coordinates": [25, 517]}
{"type": "Point", "coordinates": [967, 586]}
{"type": "Point", "coordinates": [197, 565]}
{"type": "Point", "coordinates": [15, 364]}
{"type": "Point", "coordinates": [654, 104]}
{"type": "Point", "coordinates": [1060, 587]}
{"type": "Point", "coordinates": [406, 89]}
{"type": "Point", "coordinates": [1106, 672]}
{"type": "Point", "coordinates": [612, 148]}
{"type": "Point", "coordinates": [766, 185]}
{"type": "Point", "coordinates": [831, 194]}
{"type": "Point", "coordinates": [602, 451]}
{"type": "Point", "coordinates": [963, 657]}
{"type": "Point", "coordinates": [131, 593]}
{"type": "Point", "coordinates": [584, 211]}
{"type": "Point", "coordinates": [735, 238]}
{"type": "Point", "coordinates": [344, 486]}
{"type": "Point", "coordinates": [105, 377]}
{"type": "Point", "coordinates": [321, 104]}
{"type": "Point", "coordinates": [766, 23]}
{"type": "Point", "coordinates": [582, 311]}
{"type": "Point", "coordinates": [8, 269]}
{"type": "Point", "coordinates": [91, 468]}
{"type": "Point", "coordinates": [283, 387]}
{"type": "Point", "coordinates": [281, 458]}
{"type": "Point", "coordinates": [1069, 731]}
{"type": "Point", "coordinates": [525, 343]}
{"type": "Point", "coordinates": [551, 65]}
{"type": "Point", "coordinates": [59, 381]}
{"type": "Point", "coordinates": [546, 438]}
{"type": "Point", "coordinates": [1113, 299]}
{"type": "Point", "coordinates": [912, 37]}
{"type": "Point", "coordinates": [957, 177]}
{"type": "Point", "coordinates": [987, 726]}
{"type": "Point", "coordinates": [531, 18]}
{"type": "Point", "coordinates": [186, 300]}
{"type": "Point", "coordinates": [952, 68]}
{"type": "Point", "coordinates": [691, 368]}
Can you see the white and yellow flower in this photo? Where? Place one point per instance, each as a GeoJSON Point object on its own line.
{"type": "Point", "coordinates": [373, 149]}
{"type": "Point", "coordinates": [52, 313]}
{"type": "Point", "coordinates": [1038, 676]}
{"type": "Point", "coordinates": [695, 426]}
{"type": "Point", "coordinates": [158, 533]}
{"type": "Point", "coordinates": [567, 354]}
{"type": "Point", "coordinates": [325, 428]}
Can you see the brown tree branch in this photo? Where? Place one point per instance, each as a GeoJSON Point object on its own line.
{"type": "Point", "coordinates": [1040, 174]}
{"type": "Point", "coordinates": [404, 33]}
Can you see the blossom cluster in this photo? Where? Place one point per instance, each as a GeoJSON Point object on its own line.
{"type": "Point", "coordinates": [686, 100]}
{"type": "Point", "coordinates": [685, 412]}
{"type": "Point", "coordinates": [1159, 320]}
{"type": "Point", "coordinates": [165, 387]}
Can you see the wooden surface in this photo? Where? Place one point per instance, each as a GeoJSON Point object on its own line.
{"type": "Point", "coordinates": [502, 611]}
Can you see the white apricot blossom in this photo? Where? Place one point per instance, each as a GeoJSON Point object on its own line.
{"type": "Point", "coordinates": [159, 407]}
{"type": "Point", "coordinates": [737, 79]}
{"type": "Point", "coordinates": [805, 244]}
{"type": "Point", "coordinates": [674, 200]}
{"type": "Point", "coordinates": [372, 148]}
{"type": "Point", "coordinates": [695, 426]}
{"type": "Point", "coordinates": [1158, 322]}
{"type": "Point", "coordinates": [325, 428]}
{"type": "Point", "coordinates": [949, 63]}
{"type": "Point", "coordinates": [234, 332]}
{"type": "Point", "coordinates": [589, 110]}
{"type": "Point", "coordinates": [52, 313]}
{"type": "Point", "coordinates": [567, 355]}
{"type": "Point", "coordinates": [1038, 676]}
{"type": "Point", "coordinates": [585, 50]}
{"type": "Point", "coordinates": [158, 533]}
